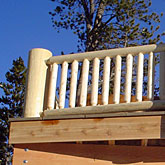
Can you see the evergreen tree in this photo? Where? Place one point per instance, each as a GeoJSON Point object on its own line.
{"type": "Point", "coordinates": [103, 24]}
{"type": "Point", "coordinates": [11, 104]}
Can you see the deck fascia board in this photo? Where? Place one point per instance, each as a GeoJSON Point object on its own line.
{"type": "Point", "coordinates": [98, 129]}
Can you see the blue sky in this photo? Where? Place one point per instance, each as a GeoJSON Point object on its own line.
{"type": "Point", "coordinates": [26, 24]}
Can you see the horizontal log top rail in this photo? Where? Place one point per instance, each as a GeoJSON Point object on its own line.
{"type": "Point", "coordinates": [110, 53]}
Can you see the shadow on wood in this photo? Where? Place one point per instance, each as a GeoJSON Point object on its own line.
{"type": "Point", "coordinates": [122, 99]}
{"type": "Point", "coordinates": [162, 127]}
{"type": "Point", "coordinates": [67, 153]}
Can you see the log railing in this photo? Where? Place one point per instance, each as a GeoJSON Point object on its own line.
{"type": "Point", "coordinates": [43, 72]}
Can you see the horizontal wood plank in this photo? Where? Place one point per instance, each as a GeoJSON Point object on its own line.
{"type": "Point", "coordinates": [88, 154]}
{"type": "Point", "coordinates": [148, 127]}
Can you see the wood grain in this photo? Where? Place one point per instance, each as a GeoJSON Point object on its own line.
{"type": "Point", "coordinates": [87, 154]}
{"type": "Point", "coordinates": [109, 53]}
{"type": "Point", "coordinates": [98, 129]}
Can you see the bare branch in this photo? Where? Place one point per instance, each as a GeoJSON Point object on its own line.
{"type": "Point", "coordinates": [99, 14]}
{"type": "Point", "coordinates": [92, 8]}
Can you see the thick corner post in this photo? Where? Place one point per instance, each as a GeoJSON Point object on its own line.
{"type": "Point", "coordinates": [162, 76]}
{"type": "Point", "coordinates": [36, 82]}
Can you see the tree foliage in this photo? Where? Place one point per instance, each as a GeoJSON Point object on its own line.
{"type": "Point", "coordinates": [11, 104]}
{"type": "Point", "coordinates": [102, 24]}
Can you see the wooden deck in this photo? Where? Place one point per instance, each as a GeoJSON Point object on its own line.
{"type": "Point", "coordinates": [90, 118]}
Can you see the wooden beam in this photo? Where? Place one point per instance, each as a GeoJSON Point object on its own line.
{"type": "Point", "coordinates": [89, 116]}
{"type": "Point", "coordinates": [88, 154]}
{"type": "Point", "coordinates": [111, 142]}
{"type": "Point", "coordinates": [117, 79]}
{"type": "Point", "coordinates": [109, 53]}
{"type": "Point", "coordinates": [106, 78]}
{"type": "Point", "coordinates": [110, 108]}
{"type": "Point", "coordinates": [148, 127]}
{"type": "Point", "coordinates": [144, 142]}
{"type": "Point", "coordinates": [139, 79]}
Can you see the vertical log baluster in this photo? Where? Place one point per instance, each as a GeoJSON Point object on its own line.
{"type": "Point", "coordinates": [73, 84]}
{"type": "Point", "coordinates": [83, 92]}
{"type": "Point", "coordinates": [117, 80]}
{"type": "Point", "coordinates": [151, 74]}
{"type": "Point", "coordinates": [95, 79]}
{"type": "Point", "coordinates": [128, 81]}
{"type": "Point", "coordinates": [53, 69]}
{"type": "Point", "coordinates": [63, 84]}
{"type": "Point", "coordinates": [106, 79]}
{"type": "Point", "coordinates": [162, 76]}
{"type": "Point", "coordinates": [139, 81]}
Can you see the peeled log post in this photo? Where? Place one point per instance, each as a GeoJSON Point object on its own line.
{"type": "Point", "coordinates": [162, 76]}
{"type": "Point", "coordinates": [151, 72]}
{"type": "Point", "coordinates": [95, 79]}
{"type": "Point", "coordinates": [73, 84]}
{"type": "Point", "coordinates": [63, 83]}
{"type": "Point", "coordinates": [36, 81]}
{"type": "Point", "coordinates": [52, 85]}
{"type": "Point", "coordinates": [106, 77]}
{"type": "Point", "coordinates": [128, 81]}
{"type": "Point", "coordinates": [139, 81]}
{"type": "Point", "coordinates": [117, 80]}
{"type": "Point", "coordinates": [83, 93]}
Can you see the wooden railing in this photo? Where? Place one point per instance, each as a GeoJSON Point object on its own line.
{"type": "Point", "coordinates": [43, 72]}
